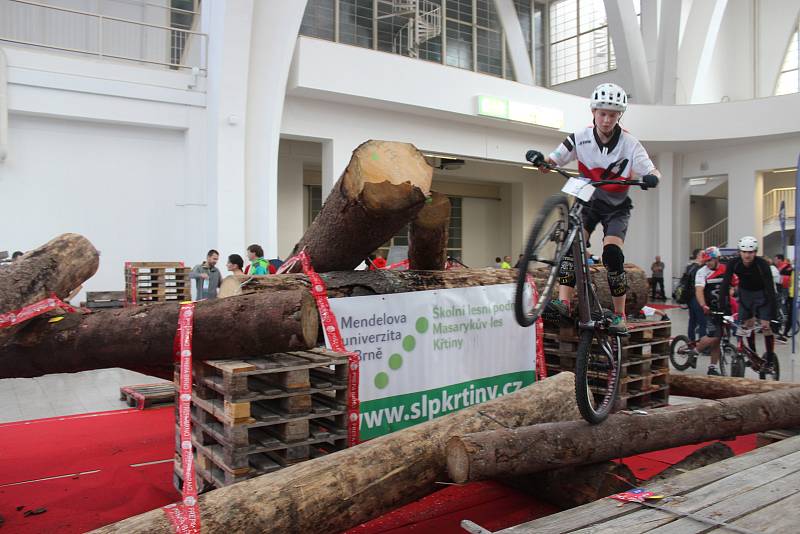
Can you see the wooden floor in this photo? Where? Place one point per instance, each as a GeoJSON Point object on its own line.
{"type": "Point", "coordinates": [757, 492]}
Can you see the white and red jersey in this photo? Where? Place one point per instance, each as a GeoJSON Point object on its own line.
{"type": "Point", "coordinates": [618, 159]}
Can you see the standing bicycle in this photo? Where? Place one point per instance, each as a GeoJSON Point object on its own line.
{"type": "Point", "coordinates": [742, 356]}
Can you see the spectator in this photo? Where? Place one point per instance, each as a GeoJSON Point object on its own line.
{"type": "Point", "coordinates": [16, 255]}
{"type": "Point", "coordinates": [497, 262]}
{"type": "Point", "coordinates": [697, 319]}
{"type": "Point", "coordinates": [657, 268]}
{"type": "Point", "coordinates": [506, 264]}
{"type": "Point", "coordinates": [519, 261]}
{"type": "Point", "coordinates": [235, 264]}
{"type": "Point", "coordinates": [207, 276]}
{"type": "Point", "coordinates": [258, 265]}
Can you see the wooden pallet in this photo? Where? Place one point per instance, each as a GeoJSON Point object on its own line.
{"type": "Point", "coordinates": [148, 395]}
{"type": "Point", "coordinates": [644, 382]}
{"type": "Point", "coordinates": [105, 299]}
{"type": "Point", "coordinates": [149, 282]}
{"type": "Point", "coordinates": [258, 415]}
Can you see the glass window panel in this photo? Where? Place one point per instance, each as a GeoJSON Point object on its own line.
{"type": "Point", "coordinates": [593, 52]}
{"type": "Point", "coordinates": [563, 61]}
{"type": "Point", "coordinates": [431, 49]}
{"type": "Point", "coordinates": [318, 19]}
{"type": "Point", "coordinates": [489, 53]}
{"type": "Point", "coordinates": [539, 62]}
{"type": "Point", "coordinates": [787, 83]}
{"type": "Point", "coordinates": [592, 14]}
{"type": "Point", "coordinates": [563, 19]}
{"type": "Point", "coordinates": [355, 22]}
{"type": "Point", "coordinates": [459, 45]}
{"type": "Point", "coordinates": [460, 10]}
{"type": "Point", "coordinates": [486, 14]}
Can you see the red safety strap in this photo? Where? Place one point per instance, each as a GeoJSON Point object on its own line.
{"type": "Point", "coordinates": [185, 516]}
{"type": "Point", "coordinates": [541, 364]}
{"type": "Point", "coordinates": [403, 263]}
{"type": "Point", "coordinates": [326, 315]}
{"type": "Point", "coordinates": [33, 310]}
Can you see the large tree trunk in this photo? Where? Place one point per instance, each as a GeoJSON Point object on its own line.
{"type": "Point", "coordinates": [141, 338]}
{"type": "Point", "coordinates": [358, 283]}
{"type": "Point", "coordinates": [59, 266]}
{"type": "Point", "coordinates": [347, 488]}
{"type": "Point", "coordinates": [427, 235]}
{"type": "Point", "coordinates": [721, 387]}
{"type": "Point", "coordinates": [635, 296]}
{"type": "Point", "coordinates": [382, 189]}
{"type": "Point", "coordinates": [509, 452]}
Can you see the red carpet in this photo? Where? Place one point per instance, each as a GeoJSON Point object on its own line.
{"type": "Point", "coordinates": [662, 306]}
{"type": "Point", "coordinates": [103, 446]}
{"type": "Point", "coordinates": [106, 448]}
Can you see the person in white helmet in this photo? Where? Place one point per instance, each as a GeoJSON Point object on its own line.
{"type": "Point", "coordinates": [756, 292]}
{"type": "Point", "coordinates": [605, 151]}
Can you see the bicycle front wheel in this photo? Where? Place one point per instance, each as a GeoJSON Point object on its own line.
{"type": "Point", "coordinates": [736, 359]}
{"type": "Point", "coordinates": [597, 374]}
{"type": "Point", "coordinates": [771, 370]}
{"type": "Point", "coordinates": [680, 353]}
{"type": "Point", "coordinates": [542, 252]}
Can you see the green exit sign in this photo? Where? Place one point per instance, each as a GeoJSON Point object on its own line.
{"type": "Point", "coordinates": [493, 106]}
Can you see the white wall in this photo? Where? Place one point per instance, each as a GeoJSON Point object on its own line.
{"type": "Point", "coordinates": [119, 186]}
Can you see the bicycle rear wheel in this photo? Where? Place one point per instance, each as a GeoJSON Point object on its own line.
{"type": "Point", "coordinates": [543, 250]}
{"type": "Point", "coordinates": [737, 361]}
{"type": "Point", "coordinates": [597, 374]}
{"type": "Point", "coordinates": [680, 353]}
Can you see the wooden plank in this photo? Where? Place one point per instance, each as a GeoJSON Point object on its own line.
{"type": "Point", "coordinates": [231, 366]}
{"type": "Point", "coordinates": [778, 518]}
{"type": "Point", "coordinates": [735, 507]}
{"type": "Point", "coordinates": [607, 509]}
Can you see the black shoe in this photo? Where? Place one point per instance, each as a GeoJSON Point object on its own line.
{"type": "Point", "coordinates": [559, 306]}
{"type": "Point", "coordinates": [665, 317]}
{"type": "Point", "coordinates": [713, 371]}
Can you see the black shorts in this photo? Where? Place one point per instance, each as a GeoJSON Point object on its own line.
{"type": "Point", "coordinates": [754, 304]}
{"type": "Point", "coordinates": [714, 326]}
{"type": "Point", "coordinates": [613, 218]}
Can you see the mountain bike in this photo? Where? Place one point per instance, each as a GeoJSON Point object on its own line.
{"type": "Point", "coordinates": [683, 353]}
{"type": "Point", "coordinates": [557, 229]}
{"type": "Point", "coordinates": [767, 366]}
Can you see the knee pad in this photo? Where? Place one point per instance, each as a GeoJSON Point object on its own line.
{"type": "Point", "coordinates": [614, 260]}
{"type": "Point", "coordinates": [566, 271]}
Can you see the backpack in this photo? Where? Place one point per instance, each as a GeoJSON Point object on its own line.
{"type": "Point", "coordinates": [684, 290]}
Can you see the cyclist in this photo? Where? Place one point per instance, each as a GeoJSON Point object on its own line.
{"type": "Point", "coordinates": [756, 291]}
{"type": "Point", "coordinates": [604, 152]}
{"type": "Point", "coordinates": [708, 288]}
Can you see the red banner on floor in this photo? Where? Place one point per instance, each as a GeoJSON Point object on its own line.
{"type": "Point", "coordinates": [185, 516]}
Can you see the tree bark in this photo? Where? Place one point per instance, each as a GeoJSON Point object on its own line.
{"type": "Point", "coordinates": [59, 266]}
{"type": "Point", "coordinates": [382, 189]}
{"type": "Point", "coordinates": [358, 283]}
{"type": "Point", "coordinates": [635, 296]}
{"type": "Point", "coordinates": [427, 235]}
{"type": "Point", "coordinates": [573, 486]}
{"type": "Point", "coordinates": [721, 387]}
{"type": "Point", "coordinates": [141, 338]}
{"type": "Point", "coordinates": [349, 487]}
{"type": "Point", "coordinates": [508, 452]}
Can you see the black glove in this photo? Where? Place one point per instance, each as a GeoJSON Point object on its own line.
{"type": "Point", "coordinates": [535, 157]}
{"type": "Point", "coordinates": [649, 181]}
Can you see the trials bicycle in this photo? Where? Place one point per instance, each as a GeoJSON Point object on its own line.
{"type": "Point", "coordinates": [557, 229]}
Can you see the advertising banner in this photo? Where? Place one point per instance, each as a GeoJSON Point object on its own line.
{"type": "Point", "coordinates": [428, 353]}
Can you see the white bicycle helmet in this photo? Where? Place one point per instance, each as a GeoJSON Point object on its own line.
{"type": "Point", "coordinates": [609, 96]}
{"type": "Point", "coordinates": [748, 244]}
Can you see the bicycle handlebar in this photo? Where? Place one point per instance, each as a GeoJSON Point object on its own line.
{"type": "Point", "coordinates": [536, 159]}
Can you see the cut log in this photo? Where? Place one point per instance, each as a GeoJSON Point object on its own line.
{"type": "Point", "coordinates": [573, 486]}
{"type": "Point", "coordinates": [59, 266]}
{"type": "Point", "coordinates": [382, 190]}
{"type": "Point", "coordinates": [358, 283]}
{"type": "Point", "coordinates": [141, 338]}
{"type": "Point", "coordinates": [721, 387]}
{"type": "Point", "coordinates": [349, 487]}
{"type": "Point", "coordinates": [427, 235]}
{"type": "Point", "coordinates": [508, 452]}
{"type": "Point", "coordinates": [636, 294]}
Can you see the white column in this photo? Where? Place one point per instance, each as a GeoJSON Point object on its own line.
{"type": "Point", "coordinates": [336, 154]}
{"type": "Point", "coordinates": [650, 35]}
{"type": "Point", "coordinates": [681, 231]}
{"type": "Point", "coordinates": [667, 247]}
{"type": "Point", "coordinates": [229, 25]}
{"type": "Point", "coordinates": [517, 46]}
{"type": "Point", "coordinates": [698, 43]}
{"type": "Point", "coordinates": [629, 48]}
{"type": "Point", "coordinates": [667, 56]}
{"type": "Point", "coordinates": [745, 204]}
{"type": "Point", "coordinates": [274, 34]}
{"type": "Point", "coordinates": [290, 202]}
